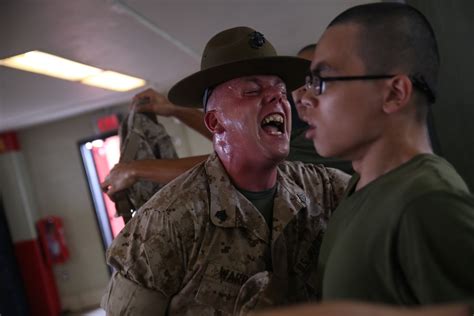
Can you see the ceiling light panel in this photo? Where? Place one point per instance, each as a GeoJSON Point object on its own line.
{"type": "Point", "coordinates": [58, 67]}
{"type": "Point", "coordinates": [50, 65]}
{"type": "Point", "coordinates": [114, 81]}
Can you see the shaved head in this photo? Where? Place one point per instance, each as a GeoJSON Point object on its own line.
{"type": "Point", "coordinates": [396, 37]}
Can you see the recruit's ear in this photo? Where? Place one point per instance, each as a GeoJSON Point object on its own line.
{"type": "Point", "coordinates": [398, 95]}
{"type": "Point", "coordinates": [212, 122]}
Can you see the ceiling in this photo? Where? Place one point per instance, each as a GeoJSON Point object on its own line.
{"type": "Point", "coordinates": [159, 41]}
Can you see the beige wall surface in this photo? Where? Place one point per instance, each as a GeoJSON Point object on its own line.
{"type": "Point", "coordinates": [16, 195]}
{"type": "Point", "coordinates": [60, 188]}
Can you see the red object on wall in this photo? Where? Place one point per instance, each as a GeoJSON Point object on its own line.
{"type": "Point", "coordinates": [41, 290]}
{"type": "Point", "coordinates": [9, 142]}
{"type": "Point", "coordinates": [51, 237]}
{"type": "Point", "coordinates": [108, 123]}
{"type": "Point", "coordinates": [38, 280]}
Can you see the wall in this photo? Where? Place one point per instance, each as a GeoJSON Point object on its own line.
{"type": "Point", "coordinates": [453, 23]}
{"type": "Point", "coordinates": [60, 188]}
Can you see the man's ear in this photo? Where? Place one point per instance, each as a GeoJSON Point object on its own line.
{"type": "Point", "coordinates": [398, 94]}
{"type": "Point", "coordinates": [212, 122]}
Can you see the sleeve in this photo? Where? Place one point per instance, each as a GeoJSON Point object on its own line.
{"type": "Point", "coordinates": [436, 247]}
{"type": "Point", "coordinates": [125, 297]}
{"type": "Point", "coordinates": [148, 256]}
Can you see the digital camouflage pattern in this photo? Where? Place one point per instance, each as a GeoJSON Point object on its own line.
{"type": "Point", "coordinates": [152, 142]}
{"type": "Point", "coordinates": [258, 292]}
{"type": "Point", "coordinates": [193, 246]}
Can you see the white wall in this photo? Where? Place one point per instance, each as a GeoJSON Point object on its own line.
{"type": "Point", "coordinates": [60, 188]}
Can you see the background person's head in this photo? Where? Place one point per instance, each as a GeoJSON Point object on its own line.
{"type": "Point", "coordinates": [349, 116]}
{"type": "Point", "coordinates": [307, 53]}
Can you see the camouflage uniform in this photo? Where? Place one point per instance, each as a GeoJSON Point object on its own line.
{"type": "Point", "coordinates": [153, 142]}
{"type": "Point", "coordinates": [194, 244]}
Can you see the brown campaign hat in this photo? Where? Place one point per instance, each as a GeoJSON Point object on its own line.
{"type": "Point", "coordinates": [237, 52]}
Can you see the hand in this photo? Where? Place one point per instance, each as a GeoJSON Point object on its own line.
{"type": "Point", "coordinates": [153, 101]}
{"type": "Point", "coordinates": [120, 178]}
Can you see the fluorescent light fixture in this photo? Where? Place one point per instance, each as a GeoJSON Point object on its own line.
{"type": "Point", "coordinates": [114, 81]}
{"type": "Point", "coordinates": [50, 65]}
{"type": "Point", "coordinates": [54, 66]}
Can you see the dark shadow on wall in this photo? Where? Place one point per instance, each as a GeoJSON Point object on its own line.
{"type": "Point", "coordinates": [12, 295]}
{"type": "Point", "coordinates": [453, 113]}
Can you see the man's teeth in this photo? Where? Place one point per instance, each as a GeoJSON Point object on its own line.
{"type": "Point", "coordinates": [273, 124]}
{"type": "Point", "coordinates": [274, 132]}
{"type": "Point", "coordinates": [273, 118]}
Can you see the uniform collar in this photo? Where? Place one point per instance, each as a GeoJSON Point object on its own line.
{"type": "Point", "coordinates": [229, 208]}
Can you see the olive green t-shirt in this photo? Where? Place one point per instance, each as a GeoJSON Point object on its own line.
{"type": "Point", "coordinates": [407, 238]}
{"type": "Point", "coordinates": [263, 201]}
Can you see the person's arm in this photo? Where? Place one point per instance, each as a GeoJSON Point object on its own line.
{"type": "Point", "coordinates": [361, 309]}
{"type": "Point", "coordinates": [124, 175]}
{"type": "Point", "coordinates": [153, 101]}
{"type": "Point", "coordinates": [125, 297]}
{"type": "Point", "coordinates": [148, 257]}
{"type": "Point", "coordinates": [193, 118]}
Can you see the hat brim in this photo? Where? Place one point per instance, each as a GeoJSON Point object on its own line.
{"type": "Point", "coordinates": [189, 91]}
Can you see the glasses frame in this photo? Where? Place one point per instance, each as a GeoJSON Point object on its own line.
{"type": "Point", "coordinates": [417, 82]}
{"type": "Point", "coordinates": [318, 89]}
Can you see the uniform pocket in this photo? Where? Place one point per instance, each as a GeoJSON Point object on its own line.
{"type": "Point", "coordinates": [220, 287]}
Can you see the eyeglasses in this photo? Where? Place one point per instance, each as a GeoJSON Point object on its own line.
{"type": "Point", "coordinates": [317, 84]}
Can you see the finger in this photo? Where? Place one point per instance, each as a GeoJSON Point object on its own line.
{"type": "Point", "coordinates": [111, 192]}
{"type": "Point", "coordinates": [146, 93]}
{"type": "Point", "coordinates": [105, 185]}
{"type": "Point", "coordinates": [137, 97]}
{"type": "Point", "coordinates": [111, 196]}
{"type": "Point", "coordinates": [145, 100]}
{"type": "Point", "coordinates": [145, 108]}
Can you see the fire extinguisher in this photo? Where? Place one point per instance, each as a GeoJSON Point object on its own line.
{"type": "Point", "coordinates": [53, 243]}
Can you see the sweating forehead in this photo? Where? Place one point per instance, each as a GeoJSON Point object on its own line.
{"type": "Point", "coordinates": [258, 79]}
{"type": "Point", "coordinates": [221, 91]}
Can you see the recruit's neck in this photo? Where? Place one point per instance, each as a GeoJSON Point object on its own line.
{"type": "Point", "coordinates": [389, 152]}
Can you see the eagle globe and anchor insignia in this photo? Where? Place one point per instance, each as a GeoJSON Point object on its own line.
{"type": "Point", "coordinates": [256, 40]}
